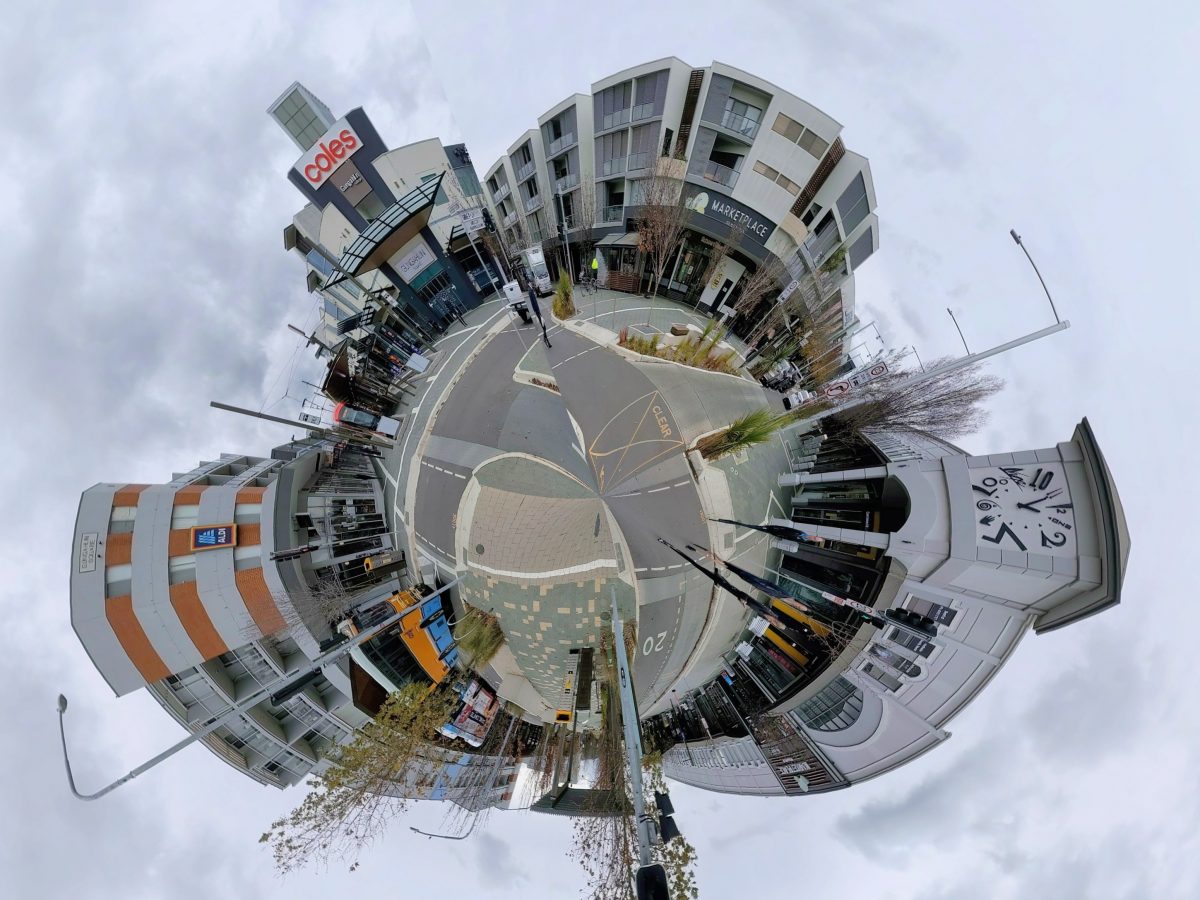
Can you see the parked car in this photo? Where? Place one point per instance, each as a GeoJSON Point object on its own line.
{"type": "Point", "coordinates": [368, 421]}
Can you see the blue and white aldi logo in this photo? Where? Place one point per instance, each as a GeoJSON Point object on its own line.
{"type": "Point", "coordinates": [210, 537]}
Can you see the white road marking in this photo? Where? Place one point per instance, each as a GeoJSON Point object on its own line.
{"type": "Point", "coordinates": [576, 356]}
{"type": "Point", "coordinates": [656, 490]}
{"type": "Point", "coordinates": [552, 573]}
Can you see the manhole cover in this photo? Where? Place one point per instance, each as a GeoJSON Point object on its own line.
{"type": "Point", "coordinates": [479, 549]}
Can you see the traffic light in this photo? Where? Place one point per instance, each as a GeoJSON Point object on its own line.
{"type": "Point", "coordinates": [652, 883]}
{"type": "Point", "coordinates": [912, 620]}
{"type": "Point", "coordinates": [487, 219]}
{"type": "Point", "coordinates": [870, 619]}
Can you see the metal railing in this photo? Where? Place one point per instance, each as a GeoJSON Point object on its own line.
{"type": "Point", "coordinates": [562, 143]}
{"type": "Point", "coordinates": [642, 111]}
{"type": "Point", "coordinates": [613, 119]}
{"type": "Point", "coordinates": [501, 192]}
{"type": "Point", "coordinates": [714, 171]}
{"type": "Point", "coordinates": [612, 213]}
{"type": "Point", "coordinates": [612, 167]}
{"type": "Point", "coordinates": [742, 125]}
{"type": "Point", "coordinates": [567, 182]}
{"type": "Point", "coordinates": [638, 161]}
{"type": "Point", "coordinates": [525, 171]}
{"type": "Point", "coordinates": [532, 203]}
{"type": "Point", "coordinates": [510, 218]}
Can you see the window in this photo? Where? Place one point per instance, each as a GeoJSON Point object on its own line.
{"type": "Point", "coordinates": [834, 708]}
{"type": "Point", "coordinates": [812, 213]}
{"type": "Point", "coordinates": [789, 128]}
{"type": "Point", "coordinates": [766, 171]}
{"type": "Point", "coordinates": [909, 641]}
{"type": "Point", "coordinates": [370, 207]}
{"type": "Point", "coordinates": [853, 205]}
{"type": "Point", "coordinates": [894, 660]}
{"type": "Point", "coordinates": [798, 134]}
{"type": "Point", "coordinates": [861, 249]}
{"type": "Point", "coordinates": [788, 185]}
{"type": "Point", "coordinates": [885, 678]}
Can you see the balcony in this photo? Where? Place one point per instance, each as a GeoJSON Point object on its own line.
{"type": "Point", "coordinates": [720, 174]}
{"type": "Point", "coordinates": [642, 111]}
{"type": "Point", "coordinates": [611, 167]}
{"type": "Point", "coordinates": [609, 214]}
{"type": "Point", "coordinates": [747, 128]}
{"type": "Point", "coordinates": [501, 192]}
{"type": "Point", "coordinates": [613, 119]}
{"type": "Point", "coordinates": [510, 219]}
{"type": "Point", "coordinates": [561, 144]}
{"type": "Point", "coordinates": [538, 235]}
{"type": "Point", "coordinates": [525, 171]}
{"type": "Point", "coordinates": [639, 161]}
{"type": "Point", "coordinates": [533, 203]}
{"type": "Point", "coordinates": [568, 181]}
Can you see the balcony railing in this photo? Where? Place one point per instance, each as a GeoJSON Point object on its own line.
{"type": "Point", "coordinates": [742, 125]}
{"type": "Point", "coordinates": [639, 161]}
{"type": "Point", "coordinates": [562, 143]}
{"type": "Point", "coordinates": [501, 192]}
{"type": "Point", "coordinates": [532, 203]}
{"type": "Point", "coordinates": [567, 182]}
{"type": "Point", "coordinates": [525, 171]}
{"type": "Point", "coordinates": [613, 119]}
{"type": "Point", "coordinates": [612, 167]}
{"type": "Point", "coordinates": [510, 219]}
{"type": "Point", "coordinates": [612, 213]}
{"type": "Point", "coordinates": [642, 111]}
{"type": "Point", "coordinates": [720, 174]}
{"type": "Point", "coordinates": [537, 235]}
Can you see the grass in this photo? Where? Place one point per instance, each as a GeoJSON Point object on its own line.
{"type": "Point", "coordinates": [479, 636]}
{"type": "Point", "coordinates": [697, 352]}
{"type": "Point", "coordinates": [564, 303]}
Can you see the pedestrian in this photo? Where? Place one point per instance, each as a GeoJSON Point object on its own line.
{"type": "Point", "coordinates": [537, 311]}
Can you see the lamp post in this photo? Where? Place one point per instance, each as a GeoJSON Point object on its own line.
{"type": "Point", "coordinates": [491, 784]}
{"type": "Point", "coordinates": [1016, 237]}
{"type": "Point", "coordinates": [960, 334]}
{"type": "Point", "coordinates": [212, 723]}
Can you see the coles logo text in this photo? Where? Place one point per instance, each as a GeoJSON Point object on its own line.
{"type": "Point", "coordinates": [334, 148]}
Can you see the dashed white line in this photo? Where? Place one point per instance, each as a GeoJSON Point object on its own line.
{"type": "Point", "coordinates": [425, 462]}
{"type": "Point", "coordinates": [576, 356]}
{"type": "Point", "coordinates": [656, 490]}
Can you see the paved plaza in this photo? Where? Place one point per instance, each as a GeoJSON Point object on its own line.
{"type": "Point", "coordinates": [542, 477]}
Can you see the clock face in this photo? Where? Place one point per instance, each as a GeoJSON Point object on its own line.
{"type": "Point", "coordinates": [1025, 508]}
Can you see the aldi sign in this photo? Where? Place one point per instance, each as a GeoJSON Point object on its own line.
{"type": "Point", "coordinates": [211, 537]}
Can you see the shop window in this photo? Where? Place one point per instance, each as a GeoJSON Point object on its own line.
{"type": "Point", "coordinates": [370, 207]}
{"type": "Point", "coordinates": [834, 708]}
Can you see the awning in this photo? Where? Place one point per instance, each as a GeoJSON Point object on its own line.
{"type": "Point", "coordinates": [628, 239]}
{"type": "Point", "coordinates": [395, 227]}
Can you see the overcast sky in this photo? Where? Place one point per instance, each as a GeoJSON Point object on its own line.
{"type": "Point", "coordinates": [144, 274]}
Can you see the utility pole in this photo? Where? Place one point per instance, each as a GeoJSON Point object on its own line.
{"type": "Point", "coordinates": [212, 723]}
{"type": "Point", "coordinates": [566, 246]}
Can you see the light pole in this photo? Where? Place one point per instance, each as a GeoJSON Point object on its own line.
{"type": "Point", "coordinates": [212, 723]}
{"type": "Point", "coordinates": [1016, 237]}
{"type": "Point", "coordinates": [566, 246]}
{"type": "Point", "coordinates": [960, 334]}
{"type": "Point", "coordinates": [491, 783]}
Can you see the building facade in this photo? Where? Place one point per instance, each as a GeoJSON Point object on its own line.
{"type": "Point", "coordinates": [382, 223]}
{"type": "Point", "coordinates": [924, 568]}
{"type": "Point", "coordinates": [207, 588]}
{"type": "Point", "coordinates": [746, 151]}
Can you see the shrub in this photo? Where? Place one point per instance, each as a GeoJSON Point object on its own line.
{"type": "Point", "coordinates": [564, 305]}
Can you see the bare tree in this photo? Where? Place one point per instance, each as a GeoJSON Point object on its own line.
{"type": "Point", "coordinates": [585, 222]}
{"type": "Point", "coordinates": [353, 802]}
{"type": "Point", "coordinates": [813, 292]}
{"type": "Point", "coordinates": [771, 275]}
{"type": "Point", "coordinates": [947, 404]}
{"type": "Point", "coordinates": [662, 221]}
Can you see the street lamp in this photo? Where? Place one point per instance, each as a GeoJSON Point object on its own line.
{"type": "Point", "coordinates": [1016, 237]}
{"type": "Point", "coordinates": [960, 334]}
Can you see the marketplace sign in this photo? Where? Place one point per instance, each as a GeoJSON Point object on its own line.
{"type": "Point", "coordinates": [727, 211]}
{"type": "Point", "coordinates": [332, 149]}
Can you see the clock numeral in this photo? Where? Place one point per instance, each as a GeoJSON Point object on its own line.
{"type": "Point", "coordinates": [1041, 480]}
{"type": "Point", "coordinates": [999, 536]}
{"type": "Point", "coordinates": [991, 493]}
{"type": "Point", "coordinates": [1014, 473]}
{"type": "Point", "coordinates": [1049, 542]}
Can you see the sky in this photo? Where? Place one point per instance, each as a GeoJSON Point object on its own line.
{"type": "Point", "coordinates": [145, 275]}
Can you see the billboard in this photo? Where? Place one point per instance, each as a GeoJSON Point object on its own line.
{"type": "Point", "coordinates": [213, 537]}
{"type": "Point", "coordinates": [478, 711]}
{"type": "Point", "coordinates": [332, 149]}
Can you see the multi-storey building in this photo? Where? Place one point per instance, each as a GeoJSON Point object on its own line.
{"type": "Point", "coordinates": [380, 222]}
{"type": "Point", "coordinates": [746, 151]}
{"type": "Point", "coordinates": [224, 580]}
{"type": "Point", "coordinates": [924, 568]}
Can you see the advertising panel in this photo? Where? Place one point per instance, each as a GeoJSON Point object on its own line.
{"type": "Point", "coordinates": [478, 711]}
{"type": "Point", "coordinates": [328, 154]}
{"type": "Point", "coordinates": [413, 262]}
{"type": "Point", "coordinates": [213, 537]}
{"type": "Point", "coordinates": [727, 211]}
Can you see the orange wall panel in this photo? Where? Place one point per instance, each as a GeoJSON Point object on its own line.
{"type": "Point", "coordinates": [249, 535]}
{"type": "Point", "coordinates": [188, 496]}
{"type": "Point", "coordinates": [129, 631]}
{"type": "Point", "coordinates": [179, 542]}
{"type": "Point", "coordinates": [194, 617]}
{"type": "Point", "coordinates": [259, 603]}
{"type": "Point", "coordinates": [118, 549]}
{"type": "Point", "coordinates": [251, 494]}
{"type": "Point", "coordinates": [128, 495]}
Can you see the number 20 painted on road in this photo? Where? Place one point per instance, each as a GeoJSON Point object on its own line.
{"type": "Point", "coordinates": [653, 644]}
